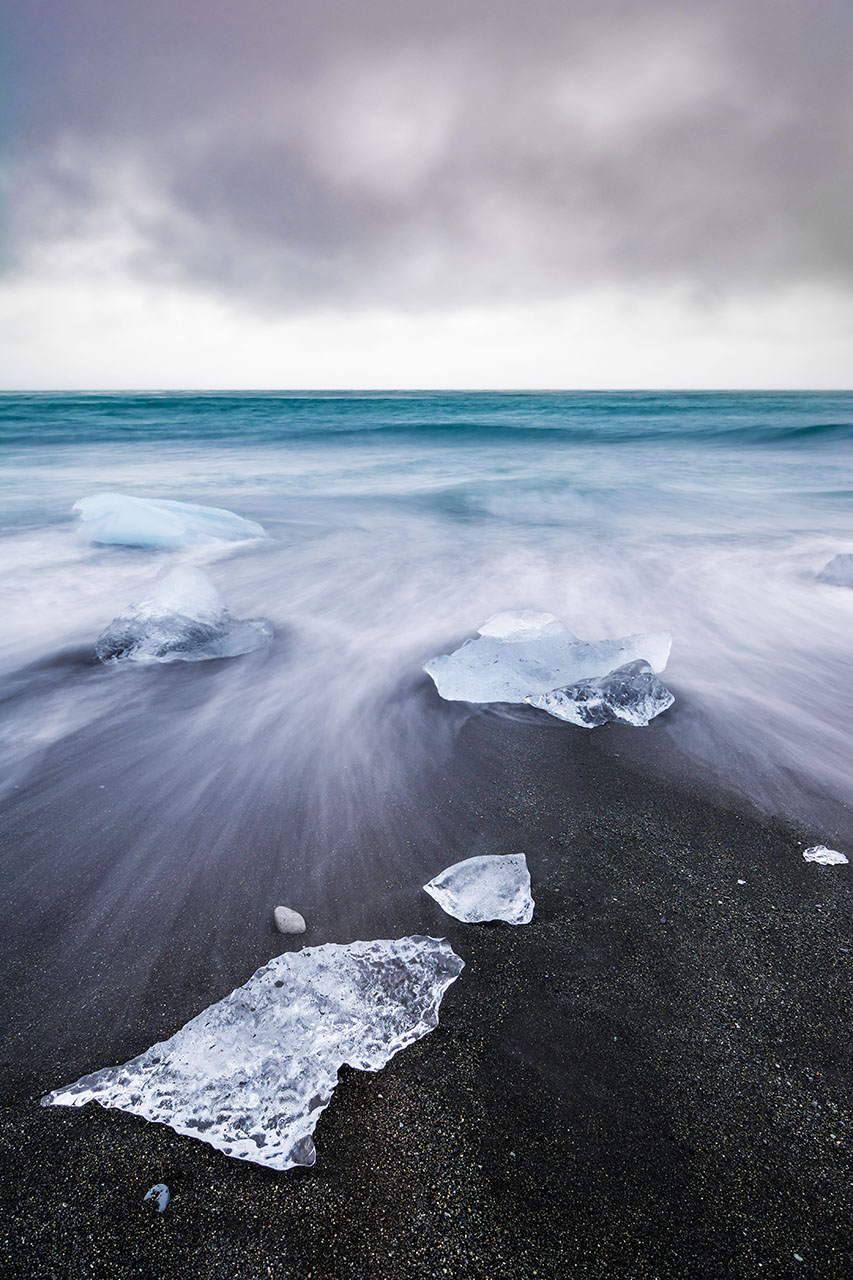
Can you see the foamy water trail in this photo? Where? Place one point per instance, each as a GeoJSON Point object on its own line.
{"type": "Point", "coordinates": [155, 814]}
{"type": "Point", "coordinates": [382, 553]}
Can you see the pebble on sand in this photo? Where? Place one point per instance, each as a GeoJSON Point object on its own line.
{"type": "Point", "coordinates": [288, 921]}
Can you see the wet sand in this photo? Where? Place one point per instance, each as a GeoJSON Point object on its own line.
{"type": "Point", "coordinates": [650, 1080]}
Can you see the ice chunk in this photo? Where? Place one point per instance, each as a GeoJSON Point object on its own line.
{"type": "Point", "coordinates": [494, 669]}
{"type": "Point", "coordinates": [120, 520]}
{"type": "Point", "coordinates": [183, 620]}
{"type": "Point", "coordinates": [826, 857]}
{"type": "Point", "coordinates": [632, 694]}
{"type": "Point", "coordinates": [525, 624]}
{"type": "Point", "coordinates": [160, 1193]}
{"type": "Point", "coordinates": [839, 571]}
{"type": "Point", "coordinates": [492, 887]}
{"type": "Point", "coordinates": [252, 1073]}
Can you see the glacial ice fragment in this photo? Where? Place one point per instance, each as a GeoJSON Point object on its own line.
{"type": "Point", "coordinates": [183, 620]}
{"type": "Point", "coordinates": [826, 857]}
{"type": "Point", "coordinates": [492, 887]}
{"type": "Point", "coordinates": [631, 694]}
{"type": "Point", "coordinates": [160, 1193]}
{"type": "Point", "coordinates": [524, 624]}
{"type": "Point", "coordinates": [252, 1073]}
{"type": "Point", "coordinates": [839, 571]}
{"type": "Point", "coordinates": [516, 663]}
{"type": "Point", "coordinates": [118, 519]}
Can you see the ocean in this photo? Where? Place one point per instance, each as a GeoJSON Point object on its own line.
{"type": "Point", "coordinates": [397, 524]}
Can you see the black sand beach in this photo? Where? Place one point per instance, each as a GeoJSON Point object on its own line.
{"type": "Point", "coordinates": [650, 1080]}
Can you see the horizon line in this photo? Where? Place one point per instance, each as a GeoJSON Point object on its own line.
{"type": "Point", "coordinates": [448, 390]}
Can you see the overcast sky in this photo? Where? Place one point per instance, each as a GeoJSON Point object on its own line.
{"type": "Point", "coordinates": [459, 193]}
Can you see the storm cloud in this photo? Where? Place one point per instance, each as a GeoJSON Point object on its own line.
{"type": "Point", "coordinates": [346, 152]}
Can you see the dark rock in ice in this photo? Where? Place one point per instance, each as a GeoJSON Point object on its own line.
{"type": "Point", "coordinates": [184, 620]}
{"type": "Point", "coordinates": [839, 571]}
{"type": "Point", "coordinates": [631, 694]}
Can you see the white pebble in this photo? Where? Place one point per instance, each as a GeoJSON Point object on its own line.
{"type": "Point", "coordinates": [288, 921]}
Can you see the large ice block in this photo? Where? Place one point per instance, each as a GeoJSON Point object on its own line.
{"type": "Point", "coordinates": [510, 661]}
{"type": "Point", "coordinates": [631, 694]}
{"type": "Point", "coordinates": [183, 620]}
{"type": "Point", "coordinates": [252, 1073]}
{"type": "Point", "coordinates": [121, 520]}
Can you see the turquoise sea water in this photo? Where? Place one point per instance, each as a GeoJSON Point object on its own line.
{"type": "Point", "coordinates": [398, 522]}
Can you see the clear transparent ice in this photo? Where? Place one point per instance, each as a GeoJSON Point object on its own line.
{"type": "Point", "coordinates": [183, 620]}
{"type": "Point", "coordinates": [253, 1072]}
{"type": "Point", "coordinates": [632, 694]}
{"type": "Point", "coordinates": [490, 887]}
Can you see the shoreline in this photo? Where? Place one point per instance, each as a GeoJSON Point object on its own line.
{"type": "Point", "coordinates": [650, 1079]}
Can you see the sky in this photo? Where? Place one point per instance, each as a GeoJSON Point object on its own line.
{"type": "Point", "coordinates": [464, 193]}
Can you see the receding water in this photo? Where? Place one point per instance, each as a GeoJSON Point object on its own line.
{"type": "Point", "coordinates": [398, 523]}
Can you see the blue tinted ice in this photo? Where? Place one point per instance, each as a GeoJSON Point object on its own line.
{"type": "Point", "coordinates": [516, 656]}
{"type": "Point", "coordinates": [252, 1074]}
{"type": "Point", "coordinates": [119, 519]}
{"type": "Point", "coordinates": [160, 1193]}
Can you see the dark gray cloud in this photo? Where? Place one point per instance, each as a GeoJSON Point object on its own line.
{"type": "Point", "coordinates": [369, 151]}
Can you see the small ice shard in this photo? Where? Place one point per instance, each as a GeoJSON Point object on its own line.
{"type": "Point", "coordinates": [512, 659]}
{"type": "Point", "coordinates": [826, 857]}
{"type": "Point", "coordinates": [839, 571]}
{"type": "Point", "coordinates": [288, 921]}
{"type": "Point", "coordinates": [492, 887]}
{"type": "Point", "coordinates": [117, 519]}
{"type": "Point", "coordinates": [524, 624]}
{"type": "Point", "coordinates": [631, 694]}
{"type": "Point", "coordinates": [253, 1072]}
{"type": "Point", "coordinates": [183, 620]}
{"type": "Point", "coordinates": [160, 1193]}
